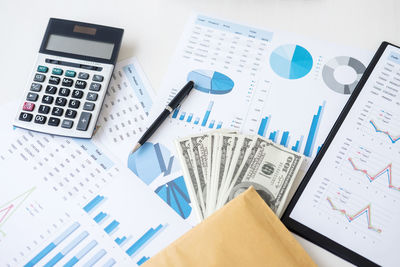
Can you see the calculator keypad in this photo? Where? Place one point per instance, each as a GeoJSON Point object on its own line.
{"type": "Point", "coordinates": [63, 97]}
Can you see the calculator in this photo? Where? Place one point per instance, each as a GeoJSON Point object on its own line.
{"type": "Point", "coordinates": [66, 89]}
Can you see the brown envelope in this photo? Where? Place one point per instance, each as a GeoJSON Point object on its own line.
{"type": "Point", "coordinates": [245, 232]}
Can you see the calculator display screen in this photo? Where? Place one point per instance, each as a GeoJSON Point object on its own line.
{"type": "Point", "coordinates": [81, 47]}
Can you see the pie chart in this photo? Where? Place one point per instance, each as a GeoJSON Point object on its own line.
{"type": "Point", "coordinates": [211, 82]}
{"type": "Point", "coordinates": [291, 61]}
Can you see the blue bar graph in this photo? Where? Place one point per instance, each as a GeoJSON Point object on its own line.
{"type": "Point", "coordinates": [219, 125]}
{"type": "Point", "coordinates": [196, 121]}
{"type": "Point", "coordinates": [92, 204]}
{"type": "Point", "coordinates": [211, 125]}
{"type": "Point", "coordinates": [285, 139]}
{"type": "Point", "coordinates": [312, 135]}
{"type": "Point", "coordinates": [100, 217]}
{"type": "Point", "coordinates": [142, 260]}
{"type": "Point", "coordinates": [298, 144]}
{"type": "Point", "coordinates": [53, 244]}
{"type": "Point", "coordinates": [175, 114]}
{"type": "Point", "coordinates": [67, 249]}
{"type": "Point", "coordinates": [120, 241]}
{"type": "Point", "coordinates": [262, 131]}
{"type": "Point", "coordinates": [95, 258]}
{"type": "Point", "coordinates": [182, 117]}
{"type": "Point", "coordinates": [189, 119]}
{"type": "Point", "coordinates": [207, 114]}
{"type": "Point", "coordinates": [143, 240]}
{"type": "Point", "coordinates": [82, 253]}
{"type": "Point", "coordinates": [273, 136]}
{"type": "Point", "coordinates": [109, 263]}
{"type": "Point", "coordinates": [109, 228]}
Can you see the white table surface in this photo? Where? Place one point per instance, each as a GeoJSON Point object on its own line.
{"type": "Point", "coordinates": [153, 27]}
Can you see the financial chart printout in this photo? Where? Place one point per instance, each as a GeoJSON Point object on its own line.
{"type": "Point", "coordinates": [353, 196]}
{"type": "Point", "coordinates": [285, 87]}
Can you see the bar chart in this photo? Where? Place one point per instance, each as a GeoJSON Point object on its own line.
{"type": "Point", "coordinates": [285, 137]}
{"type": "Point", "coordinates": [204, 121]}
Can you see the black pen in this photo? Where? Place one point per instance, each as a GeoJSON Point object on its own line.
{"type": "Point", "coordinates": [175, 102]}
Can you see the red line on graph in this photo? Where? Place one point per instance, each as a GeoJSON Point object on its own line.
{"type": "Point", "coordinates": [350, 218]}
{"type": "Point", "coordinates": [5, 211]}
{"type": "Point", "coordinates": [371, 178]}
{"type": "Point", "coordinates": [392, 138]}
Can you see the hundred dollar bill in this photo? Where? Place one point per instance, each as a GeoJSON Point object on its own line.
{"type": "Point", "coordinates": [191, 180]}
{"type": "Point", "coordinates": [271, 170]}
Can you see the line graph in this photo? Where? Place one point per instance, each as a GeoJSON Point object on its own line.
{"type": "Point", "coordinates": [366, 210]}
{"type": "Point", "coordinates": [387, 170]}
{"type": "Point", "coordinates": [392, 138]}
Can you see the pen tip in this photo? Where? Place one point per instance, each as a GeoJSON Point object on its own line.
{"type": "Point", "coordinates": [135, 148]}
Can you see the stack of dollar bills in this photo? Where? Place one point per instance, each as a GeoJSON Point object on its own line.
{"type": "Point", "coordinates": [219, 165]}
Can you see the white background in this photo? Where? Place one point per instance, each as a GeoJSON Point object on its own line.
{"type": "Point", "coordinates": [153, 27]}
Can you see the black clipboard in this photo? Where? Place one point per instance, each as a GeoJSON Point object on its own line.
{"type": "Point", "coordinates": [306, 232]}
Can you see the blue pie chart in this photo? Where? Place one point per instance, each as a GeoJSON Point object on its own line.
{"type": "Point", "coordinates": [291, 61]}
{"type": "Point", "coordinates": [211, 82]}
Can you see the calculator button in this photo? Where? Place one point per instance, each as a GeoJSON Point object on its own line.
{"type": "Point", "coordinates": [61, 101]}
{"type": "Point", "coordinates": [64, 92]}
{"type": "Point", "coordinates": [98, 78]}
{"type": "Point", "coordinates": [40, 119]}
{"type": "Point", "coordinates": [28, 106]}
{"type": "Point", "coordinates": [54, 80]}
{"type": "Point", "coordinates": [25, 116]}
{"type": "Point", "coordinates": [47, 99]}
{"type": "Point", "coordinates": [88, 106]}
{"type": "Point", "coordinates": [39, 77]}
{"type": "Point", "coordinates": [50, 89]}
{"type": "Point", "coordinates": [83, 75]}
{"type": "Point", "coordinates": [57, 71]}
{"type": "Point", "coordinates": [67, 82]}
{"type": "Point", "coordinates": [84, 121]}
{"type": "Point", "coordinates": [77, 94]}
{"type": "Point", "coordinates": [32, 97]}
{"type": "Point", "coordinates": [70, 113]}
{"type": "Point", "coordinates": [92, 96]}
{"type": "Point", "coordinates": [36, 87]}
{"type": "Point", "coordinates": [43, 69]}
{"type": "Point", "coordinates": [44, 109]}
{"type": "Point", "coordinates": [54, 121]}
{"type": "Point", "coordinates": [95, 87]}
{"type": "Point", "coordinates": [67, 124]}
{"type": "Point", "coordinates": [80, 84]}
{"type": "Point", "coordinates": [70, 73]}
{"type": "Point", "coordinates": [57, 111]}
{"type": "Point", "coordinates": [74, 103]}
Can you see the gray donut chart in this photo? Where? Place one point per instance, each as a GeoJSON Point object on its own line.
{"type": "Point", "coordinates": [329, 78]}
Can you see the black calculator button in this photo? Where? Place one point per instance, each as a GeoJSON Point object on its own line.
{"type": "Point", "coordinates": [44, 109]}
{"type": "Point", "coordinates": [67, 124]}
{"type": "Point", "coordinates": [98, 78]}
{"type": "Point", "coordinates": [39, 77]}
{"type": "Point", "coordinates": [47, 99]}
{"type": "Point", "coordinates": [80, 84]}
{"type": "Point", "coordinates": [50, 89]}
{"type": "Point", "coordinates": [89, 106]}
{"type": "Point", "coordinates": [74, 103]}
{"type": "Point", "coordinates": [70, 114]}
{"type": "Point", "coordinates": [40, 119]}
{"type": "Point", "coordinates": [95, 87]}
{"type": "Point", "coordinates": [84, 121]}
{"type": "Point", "coordinates": [92, 96]}
{"type": "Point", "coordinates": [83, 75]}
{"type": "Point", "coordinates": [36, 87]}
{"type": "Point", "coordinates": [57, 111]}
{"type": "Point", "coordinates": [54, 121]}
{"type": "Point", "coordinates": [61, 101]}
{"type": "Point", "coordinates": [54, 80]}
{"type": "Point", "coordinates": [32, 97]}
{"type": "Point", "coordinates": [77, 94]}
{"type": "Point", "coordinates": [43, 69]}
{"type": "Point", "coordinates": [25, 116]}
{"type": "Point", "coordinates": [67, 82]}
{"type": "Point", "coordinates": [64, 92]}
